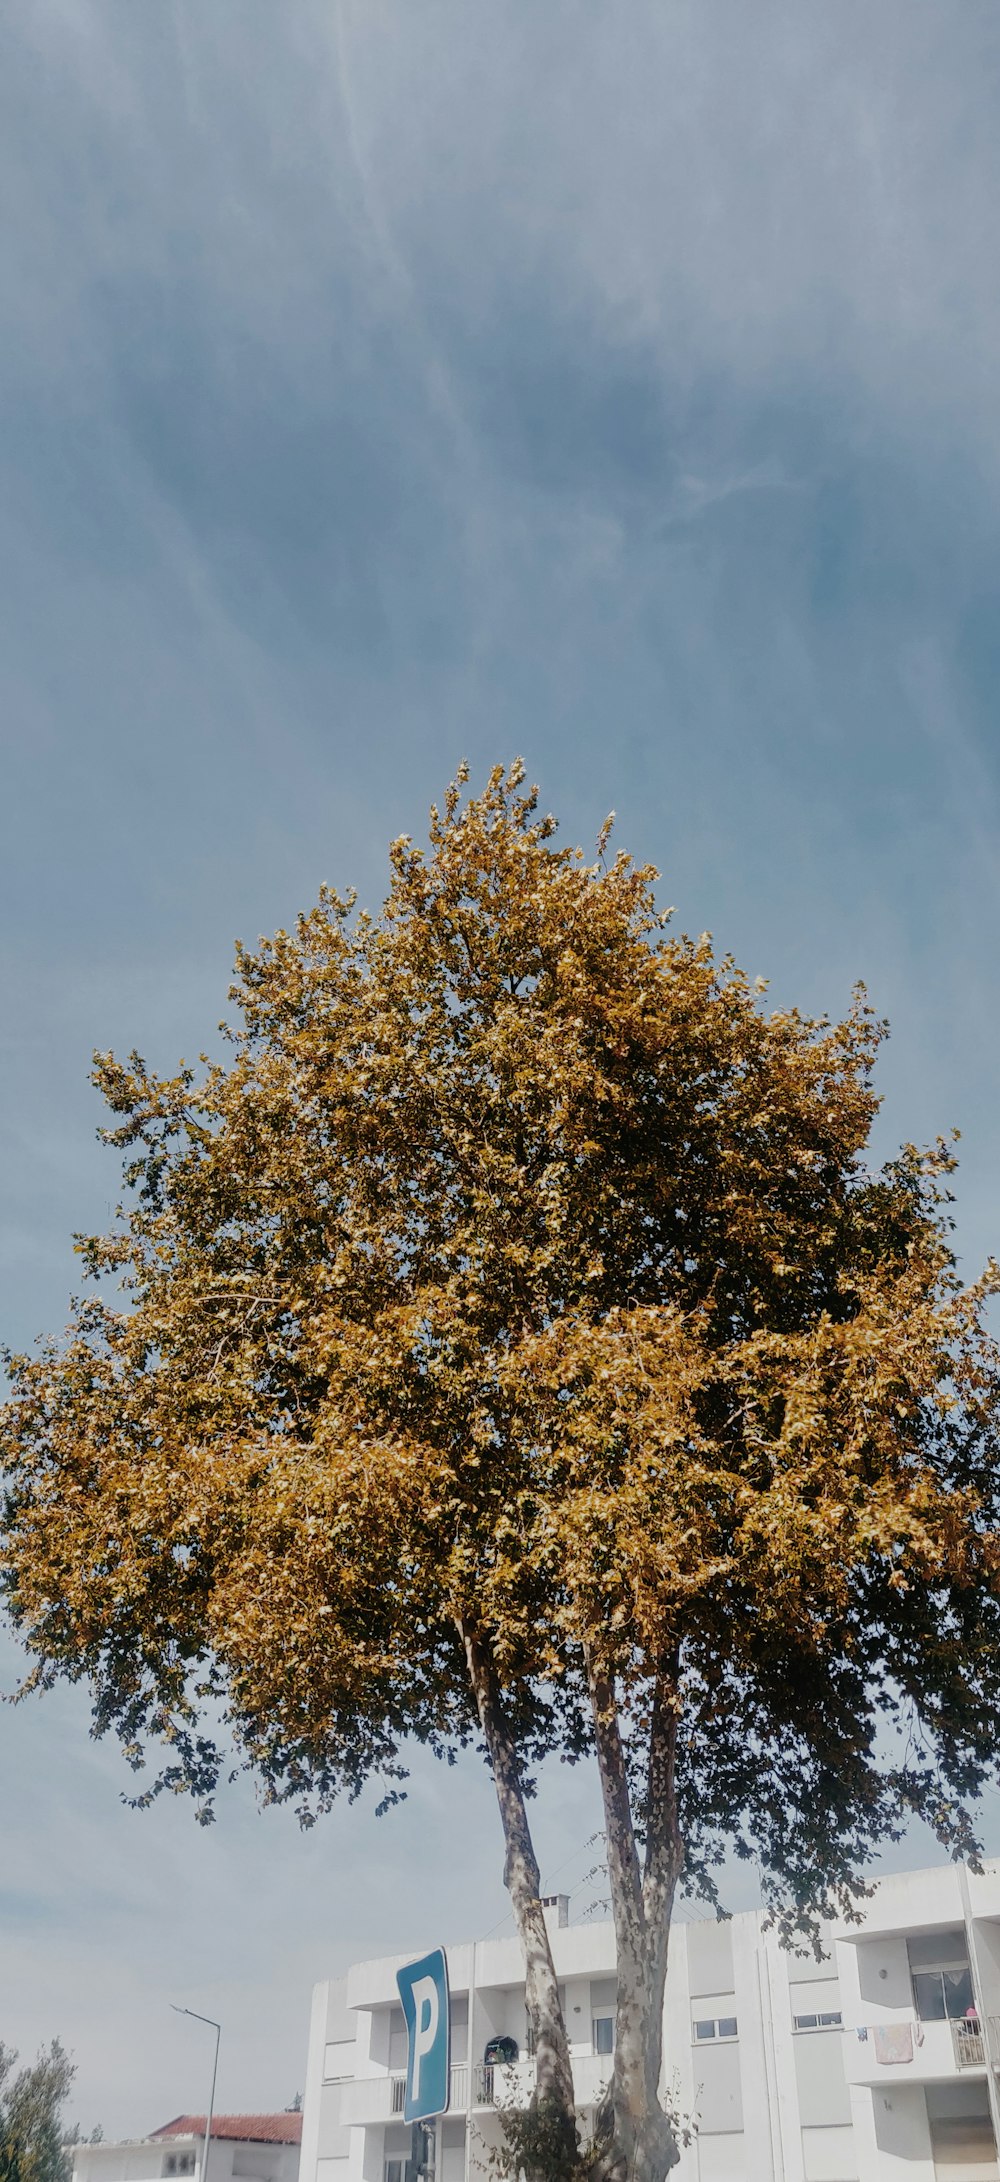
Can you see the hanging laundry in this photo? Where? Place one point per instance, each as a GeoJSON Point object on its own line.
{"type": "Point", "coordinates": [893, 2042]}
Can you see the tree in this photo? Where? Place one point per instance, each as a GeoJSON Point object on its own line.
{"type": "Point", "coordinates": [31, 2103]}
{"type": "Point", "coordinates": [515, 1343]}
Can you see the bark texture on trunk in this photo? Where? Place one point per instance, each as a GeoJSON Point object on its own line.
{"type": "Point", "coordinates": [553, 2071]}
{"type": "Point", "coordinates": [634, 2140]}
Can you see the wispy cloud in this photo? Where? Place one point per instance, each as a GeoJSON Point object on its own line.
{"type": "Point", "coordinates": [383, 386]}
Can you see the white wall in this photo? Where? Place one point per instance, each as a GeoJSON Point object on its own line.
{"type": "Point", "coordinates": [140, 2162]}
{"type": "Point", "coordinates": [146, 2160]}
{"type": "Point", "coordinates": [902, 2136]}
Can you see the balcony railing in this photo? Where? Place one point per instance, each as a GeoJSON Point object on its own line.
{"type": "Point", "coordinates": [503, 2083]}
{"type": "Point", "coordinates": [969, 2042]}
{"type": "Point", "coordinates": [484, 2084]}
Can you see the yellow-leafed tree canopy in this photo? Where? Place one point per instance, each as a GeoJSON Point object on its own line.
{"type": "Point", "coordinates": [512, 1341]}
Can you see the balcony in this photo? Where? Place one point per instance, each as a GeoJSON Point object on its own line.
{"type": "Point", "coordinates": [592, 2073]}
{"type": "Point", "coordinates": [938, 2052]}
{"type": "Point", "coordinates": [371, 2099]}
{"type": "Point", "coordinates": [511, 2084]}
{"type": "Point", "coordinates": [368, 2100]}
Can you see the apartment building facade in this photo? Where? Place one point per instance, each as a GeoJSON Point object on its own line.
{"type": "Point", "coordinates": [879, 2060]}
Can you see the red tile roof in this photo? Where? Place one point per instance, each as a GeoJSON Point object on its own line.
{"type": "Point", "coordinates": [244, 2128]}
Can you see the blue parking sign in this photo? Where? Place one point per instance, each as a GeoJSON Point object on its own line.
{"type": "Point", "coordinates": [423, 1990]}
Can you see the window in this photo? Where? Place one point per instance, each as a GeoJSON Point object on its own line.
{"type": "Point", "coordinates": [943, 1995]}
{"type": "Point", "coordinates": [715, 2026]}
{"type": "Point", "coordinates": [940, 1975]}
{"type": "Point", "coordinates": [603, 2033]}
{"type": "Point", "coordinates": [393, 2170]}
{"type": "Point", "coordinates": [830, 2020]}
{"type": "Point", "coordinates": [179, 2163]}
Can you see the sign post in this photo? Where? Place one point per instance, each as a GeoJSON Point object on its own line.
{"type": "Point", "coordinates": [423, 1990]}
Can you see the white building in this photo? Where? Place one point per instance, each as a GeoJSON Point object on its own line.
{"type": "Point", "coordinates": [245, 2148]}
{"type": "Point", "coordinates": [878, 2063]}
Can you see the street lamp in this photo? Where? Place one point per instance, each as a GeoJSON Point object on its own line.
{"type": "Point", "coordinates": [213, 2025]}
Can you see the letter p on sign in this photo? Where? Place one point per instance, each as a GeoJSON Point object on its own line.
{"type": "Point", "coordinates": [423, 1990]}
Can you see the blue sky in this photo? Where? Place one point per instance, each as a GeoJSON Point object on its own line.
{"type": "Point", "coordinates": [383, 386]}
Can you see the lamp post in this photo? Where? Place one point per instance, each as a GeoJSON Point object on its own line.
{"type": "Point", "coordinates": [213, 2025]}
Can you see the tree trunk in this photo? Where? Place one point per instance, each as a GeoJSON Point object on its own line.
{"type": "Point", "coordinates": [634, 2140]}
{"type": "Point", "coordinates": [555, 2152]}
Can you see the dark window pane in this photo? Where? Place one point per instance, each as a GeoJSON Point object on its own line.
{"type": "Point", "coordinates": [704, 2030]}
{"type": "Point", "coordinates": [727, 2026]}
{"type": "Point", "coordinates": [806, 2022]}
{"type": "Point", "coordinates": [604, 2034]}
{"type": "Point", "coordinates": [958, 1992]}
{"type": "Point", "coordinates": [828, 2021]}
{"type": "Point", "coordinates": [928, 1996]}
